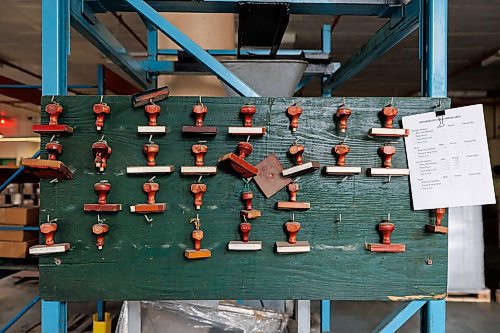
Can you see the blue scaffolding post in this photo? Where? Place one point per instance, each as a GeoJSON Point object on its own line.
{"type": "Point", "coordinates": [55, 53]}
{"type": "Point", "coordinates": [434, 81]}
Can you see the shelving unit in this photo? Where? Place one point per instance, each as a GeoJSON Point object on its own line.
{"type": "Point", "coordinates": [404, 18]}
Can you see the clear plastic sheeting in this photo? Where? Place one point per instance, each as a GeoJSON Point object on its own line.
{"type": "Point", "coordinates": [465, 250]}
{"type": "Point", "coordinates": [199, 317]}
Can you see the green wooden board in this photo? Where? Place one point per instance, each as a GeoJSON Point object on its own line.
{"type": "Point", "coordinates": [142, 260]}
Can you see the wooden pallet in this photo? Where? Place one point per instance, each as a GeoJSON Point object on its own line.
{"type": "Point", "coordinates": [483, 296]}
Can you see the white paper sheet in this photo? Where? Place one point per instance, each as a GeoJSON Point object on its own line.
{"type": "Point", "coordinates": [448, 159]}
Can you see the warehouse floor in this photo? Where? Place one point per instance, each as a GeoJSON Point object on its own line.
{"type": "Point", "coordinates": [460, 317]}
{"type": "Point", "coordinates": [349, 317]}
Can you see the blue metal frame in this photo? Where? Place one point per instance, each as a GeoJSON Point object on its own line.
{"type": "Point", "coordinates": [192, 48]}
{"type": "Point", "coordinates": [85, 22]}
{"type": "Point", "coordinates": [245, 52]}
{"type": "Point", "coordinates": [100, 80]}
{"type": "Point", "coordinates": [381, 8]}
{"type": "Point", "coordinates": [402, 23]}
{"type": "Point", "coordinates": [55, 49]}
{"type": "Point", "coordinates": [20, 314]}
{"type": "Point", "coordinates": [101, 310]}
{"type": "Point", "coordinates": [432, 15]}
{"type": "Point", "coordinates": [325, 316]}
{"type": "Point", "coordinates": [433, 317]}
{"type": "Point", "coordinates": [434, 47]}
{"type": "Point", "coordinates": [54, 317]}
{"type": "Point", "coordinates": [399, 317]}
{"type": "Point", "coordinates": [434, 71]}
{"type": "Point", "coordinates": [15, 174]}
{"type": "Point", "coordinates": [55, 38]}
{"type": "Point", "coordinates": [38, 86]}
{"type": "Point", "coordinates": [14, 228]}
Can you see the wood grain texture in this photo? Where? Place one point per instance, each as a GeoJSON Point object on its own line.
{"type": "Point", "coordinates": [142, 260]}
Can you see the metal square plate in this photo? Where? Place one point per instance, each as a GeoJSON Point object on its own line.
{"type": "Point", "coordinates": [270, 179]}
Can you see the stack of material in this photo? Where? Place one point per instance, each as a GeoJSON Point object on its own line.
{"type": "Point", "coordinates": [15, 243]}
{"type": "Point", "coordinates": [24, 194]}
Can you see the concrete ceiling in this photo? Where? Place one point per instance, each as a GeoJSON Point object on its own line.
{"type": "Point", "coordinates": [474, 33]}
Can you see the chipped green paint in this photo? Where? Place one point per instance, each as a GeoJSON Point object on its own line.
{"type": "Point", "coordinates": [142, 260]}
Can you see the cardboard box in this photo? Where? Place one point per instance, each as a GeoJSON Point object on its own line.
{"type": "Point", "coordinates": [15, 249]}
{"type": "Point", "coordinates": [17, 235]}
{"type": "Point", "coordinates": [19, 215]}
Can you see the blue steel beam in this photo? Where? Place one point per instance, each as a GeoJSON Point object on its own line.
{"type": "Point", "coordinates": [101, 310]}
{"type": "Point", "coordinates": [100, 80]}
{"type": "Point", "coordinates": [20, 314]}
{"type": "Point", "coordinates": [18, 228]}
{"type": "Point", "coordinates": [399, 317]}
{"type": "Point", "coordinates": [401, 24]}
{"type": "Point", "coordinates": [55, 39]}
{"type": "Point", "coordinates": [433, 317]}
{"type": "Point", "coordinates": [434, 47]}
{"type": "Point", "coordinates": [325, 316]}
{"type": "Point", "coordinates": [326, 38]}
{"type": "Point", "coordinates": [192, 48]}
{"type": "Point", "coordinates": [434, 83]}
{"type": "Point", "coordinates": [15, 174]}
{"type": "Point", "coordinates": [152, 48]}
{"type": "Point", "coordinates": [84, 21]}
{"type": "Point", "coordinates": [152, 41]}
{"type": "Point", "coordinates": [54, 317]}
{"type": "Point", "coordinates": [309, 7]}
{"type": "Point", "coordinates": [55, 49]}
{"type": "Point", "coordinates": [247, 52]}
{"type": "Point", "coordinates": [38, 86]}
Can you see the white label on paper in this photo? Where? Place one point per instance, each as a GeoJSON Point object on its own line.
{"type": "Point", "coordinates": [448, 159]}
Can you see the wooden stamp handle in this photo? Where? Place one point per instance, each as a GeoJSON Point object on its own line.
{"type": "Point", "coordinates": [199, 152]}
{"type": "Point", "coordinates": [199, 111]}
{"type": "Point", "coordinates": [341, 152]}
{"type": "Point", "coordinates": [292, 228]}
{"type": "Point", "coordinates": [247, 198]}
{"type": "Point", "coordinates": [343, 114]}
{"type": "Point", "coordinates": [387, 152]}
{"type": "Point", "coordinates": [198, 190]}
{"type": "Point", "coordinates": [197, 237]}
{"type": "Point", "coordinates": [153, 111]}
{"type": "Point", "coordinates": [248, 111]}
{"type": "Point", "coordinates": [386, 228]}
{"type": "Point", "coordinates": [439, 212]}
{"type": "Point", "coordinates": [54, 110]}
{"type": "Point", "coordinates": [48, 229]}
{"type": "Point", "coordinates": [296, 151]}
{"type": "Point", "coordinates": [294, 113]}
{"type": "Point", "coordinates": [151, 149]}
{"type": "Point", "coordinates": [101, 110]}
{"type": "Point", "coordinates": [293, 188]}
{"type": "Point", "coordinates": [389, 112]}
{"type": "Point", "coordinates": [244, 149]}
{"type": "Point", "coordinates": [102, 190]}
{"type": "Point", "coordinates": [151, 189]}
{"type": "Point", "coordinates": [54, 149]}
{"type": "Point", "coordinates": [245, 228]}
